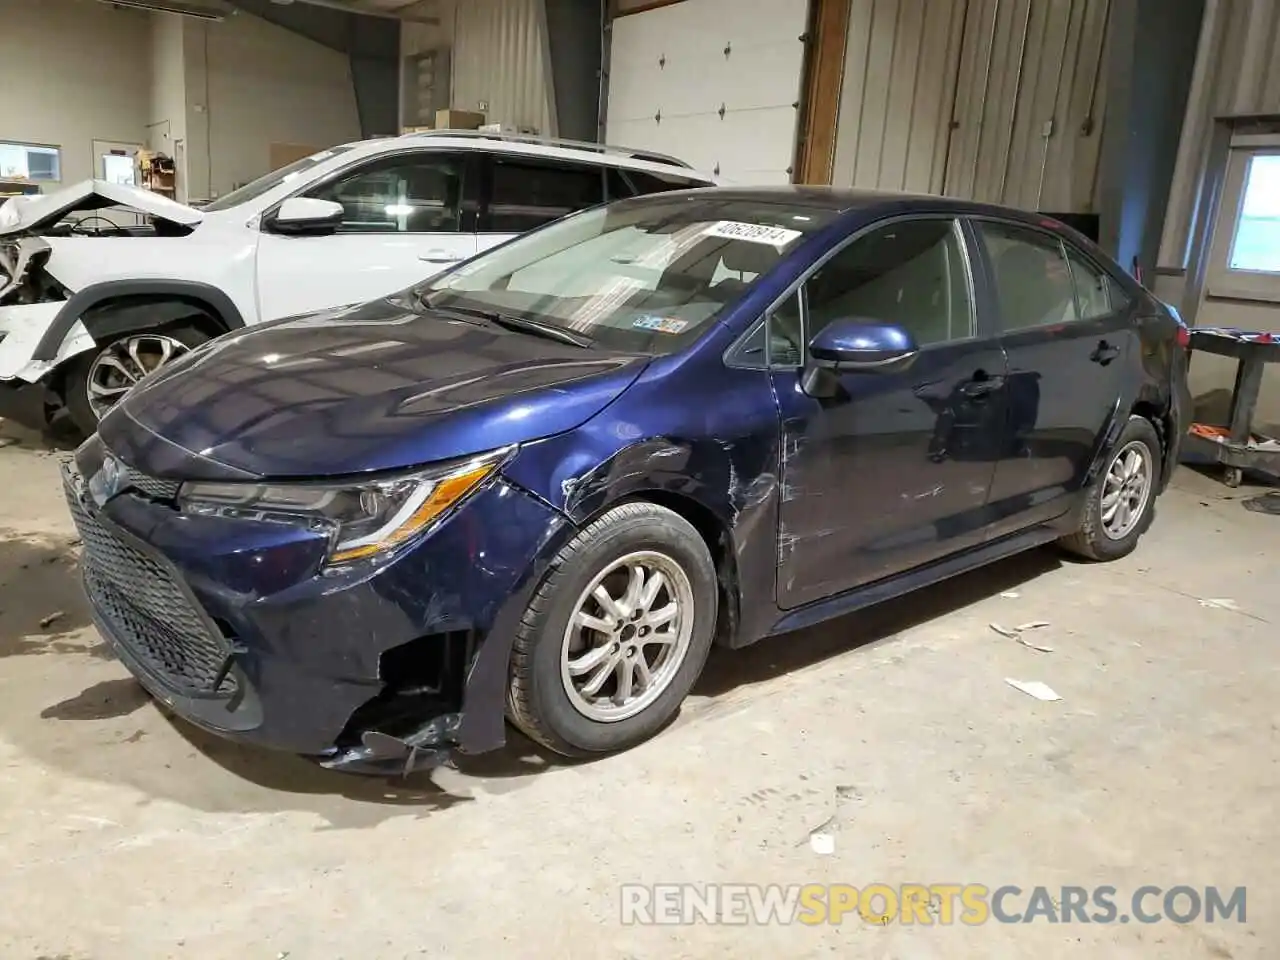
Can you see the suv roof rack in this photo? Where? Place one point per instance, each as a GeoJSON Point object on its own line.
{"type": "Point", "coordinates": [635, 154]}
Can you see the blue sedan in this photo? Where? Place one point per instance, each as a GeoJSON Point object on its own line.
{"type": "Point", "coordinates": [539, 487]}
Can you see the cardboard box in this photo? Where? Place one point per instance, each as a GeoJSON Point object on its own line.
{"type": "Point", "coordinates": [404, 130]}
{"type": "Point", "coordinates": [458, 120]}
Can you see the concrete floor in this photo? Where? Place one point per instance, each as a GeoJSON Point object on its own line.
{"type": "Point", "coordinates": [127, 835]}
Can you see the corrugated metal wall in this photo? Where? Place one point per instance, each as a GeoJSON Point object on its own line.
{"type": "Point", "coordinates": [501, 57]}
{"type": "Point", "coordinates": [1237, 73]}
{"type": "Point", "coordinates": [997, 100]}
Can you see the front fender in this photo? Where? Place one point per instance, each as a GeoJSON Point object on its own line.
{"type": "Point", "coordinates": [81, 304]}
{"type": "Point", "coordinates": [727, 488]}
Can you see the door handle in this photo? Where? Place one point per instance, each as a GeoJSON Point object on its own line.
{"type": "Point", "coordinates": [439, 256]}
{"type": "Point", "coordinates": [980, 386]}
{"type": "Point", "coordinates": [1104, 353]}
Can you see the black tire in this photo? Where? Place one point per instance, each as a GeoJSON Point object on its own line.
{"type": "Point", "coordinates": [76, 384]}
{"type": "Point", "coordinates": [537, 702]}
{"type": "Point", "coordinates": [1092, 541]}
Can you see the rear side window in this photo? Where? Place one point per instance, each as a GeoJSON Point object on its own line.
{"type": "Point", "coordinates": [526, 194]}
{"type": "Point", "coordinates": [1093, 287]}
{"type": "Point", "coordinates": [1033, 279]}
{"type": "Point", "coordinates": [646, 182]}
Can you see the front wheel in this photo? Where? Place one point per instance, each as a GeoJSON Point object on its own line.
{"type": "Point", "coordinates": [1121, 503]}
{"type": "Point", "coordinates": [99, 379]}
{"type": "Point", "coordinates": [616, 635]}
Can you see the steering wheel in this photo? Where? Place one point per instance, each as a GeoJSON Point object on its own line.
{"type": "Point", "coordinates": [97, 231]}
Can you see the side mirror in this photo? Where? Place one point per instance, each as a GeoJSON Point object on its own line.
{"type": "Point", "coordinates": [865, 346]}
{"type": "Point", "coordinates": [303, 215]}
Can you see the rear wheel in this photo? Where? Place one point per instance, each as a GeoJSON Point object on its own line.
{"type": "Point", "coordinates": [1121, 502]}
{"type": "Point", "coordinates": [100, 378]}
{"type": "Point", "coordinates": [616, 635]}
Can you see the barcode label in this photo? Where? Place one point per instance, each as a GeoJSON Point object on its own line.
{"type": "Point", "coordinates": [753, 233]}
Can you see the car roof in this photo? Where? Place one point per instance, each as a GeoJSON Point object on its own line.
{"type": "Point", "coordinates": [841, 201]}
{"type": "Point", "coordinates": [610, 155]}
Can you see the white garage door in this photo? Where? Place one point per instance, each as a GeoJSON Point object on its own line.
{"type": "Point", "coordinates": [713, 82]}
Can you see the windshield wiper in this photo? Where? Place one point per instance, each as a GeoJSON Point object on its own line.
{"type": "Point", "coordinates": [525, 325]}
{"type": "Point", "coordinates": [512, 322]}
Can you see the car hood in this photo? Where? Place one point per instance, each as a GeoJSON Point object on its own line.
{"type": "Point", "coordinates": [382, 386]}
{"type": "Point", "coordinates": [23, 214]}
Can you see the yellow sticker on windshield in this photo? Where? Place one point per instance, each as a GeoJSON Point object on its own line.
{"type": "Point", "coordinates": [753, 232]}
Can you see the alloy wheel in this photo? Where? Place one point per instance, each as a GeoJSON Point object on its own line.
{"type": "Point", "coordinates": [1126, 489]}
{"type": "Point", "coordinates": [118, 368]}
{"type": "Point", "coordinates": [628, 636]}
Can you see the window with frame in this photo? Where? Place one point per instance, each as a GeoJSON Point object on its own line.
{"type": "Point", "coordinates": [1034, 282]}
{"type": "Point", "coordinates": [415, 193]}
{"type": "Point", "coordinates": [775, 341]}
{"type": "Point", "coordinates": [526, 194]}
{"type": "Point", "coordinates": [1255, 243]}
{"type": "Point", "coordinates": [911, 273]}
{"type": "Point", "coordinates": [646, 182]}
{"type": "Point", "coordinates": [1093, 288]}
{"type": "Point", "coordinates": [30, 161]}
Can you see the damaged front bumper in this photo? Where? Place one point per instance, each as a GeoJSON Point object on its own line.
{"type": "Point", "coordinates": [370, 670]}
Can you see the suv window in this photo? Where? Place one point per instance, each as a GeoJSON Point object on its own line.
{"type": "Point", "coordinates": [911, 273]}
{"type": "Point", "coordinates": [526, 194]}
{"type": "Point", "coordinates": [414, 193]}
{"type": "Point", "coordinates": [1033, 278]}
{"type": "Point", "coordinates": [645, 182]}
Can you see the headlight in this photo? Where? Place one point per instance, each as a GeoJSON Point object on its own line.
{"type": "Point", "coordinates": [362, 518]}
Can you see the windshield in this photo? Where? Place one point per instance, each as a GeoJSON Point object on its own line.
{"type": "Point", "coordinates": [641, 275]}
{"type": "Point", "coordinates": [269, 181]}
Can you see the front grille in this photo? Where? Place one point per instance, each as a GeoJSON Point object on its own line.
{"type": "Point", "coordinates": [147, 610]}
{"type": "Point", "coordinates": [150, 486]}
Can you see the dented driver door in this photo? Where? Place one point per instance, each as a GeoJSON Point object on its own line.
{"type": "Point", "coordinates": [894, 469]}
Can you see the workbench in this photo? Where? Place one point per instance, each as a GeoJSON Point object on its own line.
{"type": "Point", "coordinates": [1236, 446]}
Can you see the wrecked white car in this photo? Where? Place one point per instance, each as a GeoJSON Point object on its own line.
{"type": "Point", "coordinates": [101, 283]}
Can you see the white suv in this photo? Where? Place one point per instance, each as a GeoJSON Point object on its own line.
{"type": "Point", "coordinates": [90, 304]}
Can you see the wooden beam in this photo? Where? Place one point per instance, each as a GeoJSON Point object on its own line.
{"type": "Point", "coordinates": [823, 78]}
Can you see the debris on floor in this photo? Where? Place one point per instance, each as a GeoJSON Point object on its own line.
{"type": "Point", "coordinates": [822, 838]}
{"type": "Point", "coordinates": [823, 844]}
{"type": "Point", "coordinates": [1011, 595]}
{"type": "Point", "coordinates": [51, 619]}
{"type": "Point", "coordinates": [1219, 603]}
{"type": "Point", "coordinates": [1034, 688]}
{"type": "Point", "coordinates": [1016, 634]}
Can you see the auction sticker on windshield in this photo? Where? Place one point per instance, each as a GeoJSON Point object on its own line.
{"type": "Point", "coordinates": [753, 232]}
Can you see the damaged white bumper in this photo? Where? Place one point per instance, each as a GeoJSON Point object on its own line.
{"type": "Point", "coordinates": [22, 327]}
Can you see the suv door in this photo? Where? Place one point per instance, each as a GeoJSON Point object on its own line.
{"type": "Point", "coordinates": [407, 217]}
{"type": "Point", "coordinates": [524, 192]}
{"type": "Point", "coordinates": [1068, 330]}
{"type": "Point", "coordinates": [894, 470]}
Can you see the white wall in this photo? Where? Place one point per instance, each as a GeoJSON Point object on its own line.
{"type": "Point", "coordinates": [250, 84]}
{"type": "Point", "coordinates": [502, 57]}
{"type": "Point", "coordinates": [72, 71]}
{"type": "Point", "coordinates": [168, 119]}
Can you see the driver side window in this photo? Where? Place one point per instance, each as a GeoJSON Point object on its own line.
{"type": "Point", "coordinates": [413, 193]}
{"type": "Point", "coordinates": [911, 273]}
